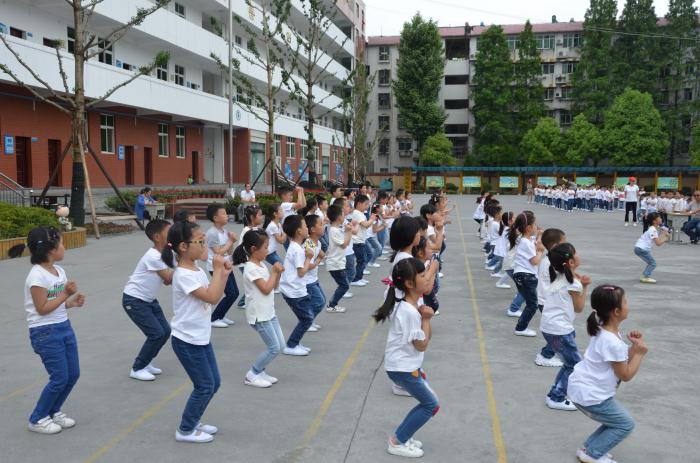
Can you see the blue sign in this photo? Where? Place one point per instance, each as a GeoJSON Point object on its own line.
{"type": "Point", "coordinates": [9, 144]}
{"type": "Point", "coordinates": [288, 169]}
{"type": "Point", "coordinates": [120, 152]}
{"type": "Point", "coordinates": [302, 168]}
{"type": "Point", "coordinates": [238, 114]}
{"type": "Point", "coordinates": [338, 171]}
{"type": "Point", "coordinates": [35, 139]}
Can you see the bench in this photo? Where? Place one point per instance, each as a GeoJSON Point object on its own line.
{"type": "Point", "coordinates": [112, 218]}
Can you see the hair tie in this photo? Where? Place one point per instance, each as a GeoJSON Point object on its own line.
{"type": "Point", "coordinates": [170, 245]}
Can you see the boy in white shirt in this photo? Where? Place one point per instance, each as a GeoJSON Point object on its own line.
{"type": "Point", "coordinates": [358, 241]}
{"type": "Point", "coordinates": [314, 225]}
{"type": "Point", "coordinates": [339, 238]}
{"type": "Point", "coordinates": [286, 196]}
{"type": "Point", "coordinates": [220, 242]}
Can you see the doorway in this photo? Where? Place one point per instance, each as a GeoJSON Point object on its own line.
{"type": "Point", "coordinates": [257, 160]}
{"type": "Point", "coordinates": [23, 157]}
{"type": "Point", "coordinates": [54, 156]}
{"type": "Point", "coordinates": [129, 165]}
{"type": "Point", "coordinates": [195, 166]}
{"type": "Point", "coordinates": [148, 166]}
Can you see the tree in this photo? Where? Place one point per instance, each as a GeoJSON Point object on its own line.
{"type": "Point", "coordinates": [593, 82]}
{"type": "Point", "coordinates": [542, 145]}
{"type": "Point", "coordinates": [437, 151]}
{"type": "Point", "coordinates": [583, 143]}
{"type": "Point", "coordinates": [419, 79]}
{"type": "Point", "coordinates": [695, 146]}
{"type": "Point", "coordinates": [71, 100]}
{"type": "Point", "coordinates": [527, 92]}
{"type": "Point", "coordinates": [491, 90]}
{"type": "Point", "coordinates": [634, 132]}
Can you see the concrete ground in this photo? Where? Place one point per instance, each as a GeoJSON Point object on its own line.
{"type": "Point", "coordinates": [336, 404]}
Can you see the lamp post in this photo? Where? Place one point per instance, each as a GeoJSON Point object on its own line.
{"type": "Point", "coordinates": [230, 96]}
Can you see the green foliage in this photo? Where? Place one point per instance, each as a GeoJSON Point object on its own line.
{"type": "Point", "coordinates": [419, 78]}
{"type": "Point", "coordinates": [115, 204]}
{"type": "Point", "coordinates": [527, 93]}
{"type": "Point", "coordinates": [543, 145]}
{"type": "Point", "coordinates": [16, 222]}
{"type": "Point", "coordinates": [634, 132]}
{"type": "Point", "coordinates": [451, 188]}
{"type": "Point", "coordinates": [583, 142]}
{"type": "Point", "coordinates": [437, 151]}
{"type": "Point", "coordinates": [695, 146]}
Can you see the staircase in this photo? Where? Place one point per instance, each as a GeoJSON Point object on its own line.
{"type": "Point", "coordinates": [198, 206]}
{"type": "Point", "coordinates": [12, 192]}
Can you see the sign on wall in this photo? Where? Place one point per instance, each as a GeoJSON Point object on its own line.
{"type": "Point", "coordinates": [585, 181]}
{"type": "Point", "coordinates": [508, 182]}
{"type": "Point", "coordinates": [434, 181]}
{"type": "Point", "coordinates": [120, 152]}
{"type": "Point", "coordinates": [622, 181]}
{"type": "Point", "coordinates": [288, 169]}
{"type": "Point", "coordinates": [667, 183]}
{"type": "Point", "coordinates": [338, 171]}
{"type": "Point", "coordinates": [547, 181]}
{"type": "Point", "coordinates": [9, 144]}
{"type": "Point", "coordinates": [471, 182]}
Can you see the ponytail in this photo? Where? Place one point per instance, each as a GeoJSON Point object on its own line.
{"type": "Point", "coordinates": [249, 214]}
{"type": "Point", "coordinates": [40, 241]}
{"type": "Point", "coordinates": [522, 221]}
{"type": "Point", "coordinates": [559, 257]}
{"type": "Point", "coordinates": [604, 300]}
{"type": "Point", "coordinates": [405, 270]}
{"type": "Point", "coordinates": [252, 239]}
{"type": "Point", "coordinates": [179, 233]}
{"type": "Point", "coordinates": [505, 219]}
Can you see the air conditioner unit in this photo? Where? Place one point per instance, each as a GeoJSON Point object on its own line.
{"type": "Point", "coordinates": [560, 43]}
{"type": "Point", "coordinates": [561, 53]}
{"type": "Point", "coordinates": [472, 56]}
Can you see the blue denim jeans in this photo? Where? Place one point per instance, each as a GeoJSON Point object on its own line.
{"type": "Point", "coordinates": [200, 364]}
{"type": "Point", "coordinates": [565, 347]}
{"type": "Point", "coordinates": [427, 407]}
{"type": "Point", "coordinates": [616, 424]}
{"type": "Point", "coordinates": [230, 296]}
{"type": "Point", "coordinates": [374, 249]}
{"type": "Point", "coordinates": [383, 237]}
{"type": "Point", "coordinates": [350, 265]}
{"type": "Point", "coordinates": [58, 349]}
{"type": "Point", "coordinates": [271, 334]}
{"type": "Point", "coordinates": [149, 317]}
{"type": "Point", "coordinates": [360, 250]}
{"type": "Point", "coordinates": [324, 241]}
{"type": "Point", "coordinates": [301, 306]}
{"type": "Point", "coordinates": [547, 351]}
{"type": "Point", "coordinates": [273, 258]}
{"type": "Point", "coordinates": [341, 278]}
{"type": "Point", "coordinates": [648, 259]}
{"type": "Point", "coordinates": [318, 298]}
{"type": "Point", "coordinates": [692, 229]}
{"type": "Point", "coordinates": [527, 286]}
{"type": "Point", "coordinates": [518, 300]}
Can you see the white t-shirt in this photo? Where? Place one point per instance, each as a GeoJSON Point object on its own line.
{"type": "Point", "coordinates": [335, 259]}
{"type": "Point", "coordinates": [291, 284]}
{"type": "Point", "coordinates": [479, 212]}
{"type": "Point", "coordinates": [259, 307]}
{"type": "Point", "coordinates": [145, 282]}
{"type": "Point", "coordinates": [558, 313]}
{"type": "Point", "coordinates": [312, 275]}
{"type": "Point", "coordinates": [543, 281]}
{"type": "Point", "coordinates": [287, 210]}
{"type": "Point", "coordinates": [405, 327]}
{"type": "Point", "coordinates": [191, 321]}
{"type": "Point", "coordinates": [631, 192]}
{"type": "Point", "coordinates": [54, 285]}
{"type": "Point", "coordinates": [646, 240]}
{"type": "Point", "coordinates": [247, 196]}
{"type": "Point", "coordinates": [215, 239]}
{"type": "Point", "coordinates": [272, 230]}
{"type": "Point", "coordinates": [501, 248]}
{"type": "Point", "coordinates": [593, 380]}
{"type": "Point", "coordinates": [509, 259]}
{"type": "Point", "coordinates": [524, 252]}
{"type": "Point", "coordinates": [361, 236]}
{"type": "Point", "coordinates": [349, 251]}
{"type": "Point", "coordinates": [493, 235]}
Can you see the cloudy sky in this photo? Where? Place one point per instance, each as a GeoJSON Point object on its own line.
{"type": "Point", "coordinates": [386, 17]}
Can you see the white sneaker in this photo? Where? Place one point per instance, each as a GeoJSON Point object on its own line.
{"type": "Point", "coordinates": [383, 258]}
{"type": "Point", "coordinates": [312, 329]}
{"type": "Point", "coordinates": [366, 282]}
{"type": "Point", "coordinates": [358, 283]}
{"type": "Point", "coordinates": [297, 351]}
{"type": "Point", "coordinates": [416, 443]}
{"type": "Point", "coordinates": [627, 224]}
{"type": "Point", "coordinates": [142, 375]}
{"type": "Point", "coordinates": [384, 251]}
{"type": "Point", "coordinates": [496, 275]}
{"type": "Point", "coordinates": [219, 324]}
{"type": "Point", "coordinates": [375, 265]}
{"type": "Point", "coordinates": [347, 295]}
{"type": "Point", "coordinates": [441, 275]}
{"type": "Point", "coordinates": [196, 437]}
{"type": "Point", "coordinates": [514, 314]}
{"type": "Point", "coordinates": [649, 280]}
{"type": "Point", "coordinates": [269, 378]}
{"type": "Point", "coordinates": [251, 379]}
{"type": "Point", "coordinates": [635, 224]}
{"type": "Point", "coordinates": [585, 458]}
{"type": "Point", "coordinates": [398, 390]}
{"type": "Point", "coordinates": [437, 312]}
{"type": "Point", "coordinates": [527, 332]}
{"type": "Point", "coordinates": [207, 428]}
{"type": "Point", "coordinates": [404, 450]}
{"type": "Point", "coordinates": [63, 421]}
{"type": "Point", "coordinates": [503, 286]}
{"type": "Point", "coordinates": [307, 349]}
{"type": "Point", "coordinates": [45, 426]}
{"type": "Point", "coordinates": [336, 309]}
{"type": "Point", "coordinates": [543, 361]}
{"type": "Point", "coordinates": [366, 272]}
{"type": "Point", "coordinates": [228, 321]}
{"type": "Point", "coordinates": [565, 405]}
{"type": "Point", "coordinates": [153, 370]}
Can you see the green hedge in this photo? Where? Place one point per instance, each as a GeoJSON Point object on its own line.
{"type": "Point", "coordinates": [17, 221]}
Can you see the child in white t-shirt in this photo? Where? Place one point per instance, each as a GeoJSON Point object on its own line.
{"type": "Point", "coordinates": [527, 256]}
{"type": "Point", "coordinates": [339, 239]}
{"type": "Point", "coordinates": [642, 248]}
{"type": "Point", "coordinates": [193, 296]}
{"type": "Point", "coordinates": [565, 297]}
{"type": "Point", "coordinates": [253, 219]}
{"type": "Point", "coordinates": [607, 362]}
{"type": "Point", "coordinates": [48, 294]}
{"type": "Point", "coordinates": [276, 234]}
{"type": "Point", "coordinates": [140, 303]}
{"type": "Point", "coordinates": [259, 285]}
{"type": "Point", "coordinates": [358, 241]}
{"type": "Point", "coordinates": [290, 208]}
{"type": "Point", "coordinates": [408, 338]}
{"type": "Point", "coordinates": [314, 225]}
{"type": "Point", "coordinates": [220, 242]}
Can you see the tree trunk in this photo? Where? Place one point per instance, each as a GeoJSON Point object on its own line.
{"type": "Point", "coordinates": [77, 198]}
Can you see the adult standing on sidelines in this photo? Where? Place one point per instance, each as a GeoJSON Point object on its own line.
{"type": "Point", "coordinates": [247, 199]}
{"type": "Point", "coordinates": [631, 199]}
{"type": "Point", "coordinates": [692, 226]}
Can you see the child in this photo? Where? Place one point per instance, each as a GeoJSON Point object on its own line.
{"type": "Point", "coordinates": [374, 249]}
{"type": "Point", "coordinates": [253, 219]}
{"type": "Point", "coordinates": [358, 241]}
{"type": "Point", "coordinates": [528, 254]}
{"type": "Point", "coordinates": [193, 296]}
{"type": "Point", "coordinates": [259, 284]}
{"type": "Point", "coordinates": [350, 261]}
{"type": "Point", "coordinates": [314, 225]}
{"type": "Point", "coordinates": [286, 196]}
{"type": "Point", "coordinates": [606, 363]}
{"type": "Point", "coordinates": [184, 215]}
{"type": "Point", "coordinates": [47, 295]}
{"type": "Point", "coordinates": [297, 263]}
{"type": "Point", "coordinates": [423, 253]}
{"type": "Point", "coordinates": [642, 247]}
{"type": "Point", "coordinates": [276, 234]}
{"type": "Point", "coordinates": [220, 243]}
{"type": "Point", "coordinates": [435, 226]}
{"type": "Point", "coordinates": [565, 297]}
{"type": "Point", "coordinates": [492, 235]}
{"type": "Point", "coordinates": [339, 239]}
{"type": "Point", "coordinates": [140, 303]}
{"type": "Point", "coordinates": [408, 338]}
{"type": "Point", "coordinates": [501, 249]}
{"type": "Point", "coordinates": [321, 211]}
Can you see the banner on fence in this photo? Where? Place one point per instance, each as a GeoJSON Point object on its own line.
{"type": "Point", "coordinates": [547, 181]}
{"type": "Point", "coordinates": [585, 181]}
{"type": "Point", "coordinates": [667, 183]}
{"type": "Point", "coordinates": [508, 182]}
{"type": "Point", "coordinates": [622, 181]}
{"type": "Point", "coordinates": [471, 182]}
{"type": "Point", "coordinates": [434, 181]}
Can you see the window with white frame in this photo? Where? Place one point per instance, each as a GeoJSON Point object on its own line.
{"type": "Point", "coordinates": [547, 68]}
{"type": "Point", "coordinates": [567, 93]}
{"type": "Point", "coordinates": [180, 9]}
{"type": "Point", "coordinates": [573, 40]}
{"type": "Point", "coordinates": [384, 76]}
{"type": "Point", "coordinates": [106, 133]}
{"type": "Point", "coordinates": [545, 41]}
{"type": "Point", "coordinates": [548, 94]}
{"type": "Point", "coordinates": [383, 53]}
{"type": "Point", "coordinates": [163, 140]}
{"type": "Point", "coordinates": [304, 150]}
{"type": "Point", "coordinates": [162, 72]}
{"type": "Point", "coordinates": [384, 123]}
{"type": "Point", "coordinates": [278, 147]}
{"type": "Point", "coordinates": [291, 146]}
{"type": "Point", "coordinates": [565, 118]}
{"type": "Point", "coordinates": [512, 41]}
{"type": "Point", "coordinates": [180, 141]}
{"type": "Point", "coordinates": [384, 146]}
{"type": "Point", "coordinates": [384, 100]}
{"type": "Point", "coordinates": [570, 68]}
{"type": "Point", "coordinates": [106, 52]}
{"type": "Point", "coordinates": [70, 42]}
{"type": "Point", "coordinates": [405, 144]}
{"type": "Point", "coordinates": [180, 75]}
{"type": "Point", "coordinates": [335, 154]}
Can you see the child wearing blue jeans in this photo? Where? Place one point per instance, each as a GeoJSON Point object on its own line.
{"type": "Point", "coordinates": [220, 242]}
{"type": "Point", "coordinates": [339, 238]}
{"type": "Point", "coordinates": [314, 225]}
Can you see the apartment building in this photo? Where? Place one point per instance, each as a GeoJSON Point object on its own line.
{"type": "Point", "coordinates": [162, 128]}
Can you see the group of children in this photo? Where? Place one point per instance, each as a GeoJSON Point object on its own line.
{"type": "Point", "coordinates": [583, 198]}
{"type": "Point", "coordinates": [543, 265]}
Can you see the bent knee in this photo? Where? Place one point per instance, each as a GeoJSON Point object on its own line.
{"type": "Point", "coordinates": [436, 409]}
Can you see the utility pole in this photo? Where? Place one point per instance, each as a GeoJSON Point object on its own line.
{"type": "Point", "coordinates": [230, 96]}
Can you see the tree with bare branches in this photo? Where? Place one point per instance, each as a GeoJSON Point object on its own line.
{"type": "Point", "coordinates": [71, 99]}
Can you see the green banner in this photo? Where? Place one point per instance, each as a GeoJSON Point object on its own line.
{"type": "Point", "coordinates": [434, 181]}
{"type": "Point", "coordinates": [667, 183]}
{"type": "Point", "coordinates": [585, 181]}
{"type": "Point", "coordinates": [508, 182]}
{"type": "Point", "coordinates": [622, 181]}
{"type": "Point", "coordinates": [547, 181]}
{"type": "Point", "coordinates": [471, 182]}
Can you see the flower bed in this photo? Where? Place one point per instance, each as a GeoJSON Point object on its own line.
{"type": "Point", "coordinates": [75, 238]}
{"type": "Point", "coordinates": [163, 196]}
{"type": "Point", "coordinates": [110, 228]}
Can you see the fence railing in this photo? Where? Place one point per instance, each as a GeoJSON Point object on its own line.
{"type": "Point", "coordinates": [12, 192]}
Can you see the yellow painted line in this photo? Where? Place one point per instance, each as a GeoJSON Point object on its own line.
{"type": "Point", "coordinates": [17, 392]}
{"type": "Point", "coordinates": [136, 423]}
{"type": "Point", "coordinates": [485, 367]}
{"type": "Point", "coordinates": [328, 401]}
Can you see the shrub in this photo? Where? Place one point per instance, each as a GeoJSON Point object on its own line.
{"type": "Point", "coordinates": [486, 186]}
{"type": "Point", "coordinates": [115, 204]}
{"type": "Point", "coordinates": [17, 221]}
{"type": "Point", "coordinates": [451, 187]}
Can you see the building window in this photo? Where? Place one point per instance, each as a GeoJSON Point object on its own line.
{"type": "Point", "coordinates": [384, 123]}
{"type": "Point", "coordinates": [70, 42]}
{"type": "Point", "coordinates": [384, 146]}
{"type": "Point", "coordinates": [512, 41]}
{"type": "Point", "coordinates": [457, 80]}
{"type": "Point", "coordinates": [384, 76]}
{"type": "Point", "coordinates": [180, 75]}
{"type": "Point", "coordinates": [545, 41]}
{"type": "Point", "coordinates": [106, 54]}
{"type": "Point", "coordinates": [384, 100]}
{"type": "Point", "coordinates": [570, 68]}
{"type": "Point", "coordinates": [304, 150]}
{"type": "Point", "coordinates": [688, 94]}
{"type": "Point", "coordinates": [567, 93]}
{"type": "Point", "coordinates": [180, 9]}
{"type": "Point", "coordinates": [239, 40]}
{"type": "Point", "coordinates": [180, 142]}
{"type": "Point", "coordinates": [547, 68]}
{"type": "Point", "coordinates": [335, 154]}
{"type": "Point", "coordinates": [572, 40]}
{"type": "Point", "coordinates": [399, 122]}
{"type": "Point", "coordinates": [106, 133]}
{"type": "Point", "coordinates": [405, 144]}
{"type": "Point", "coordinates": [456, 104]}
{"type": "Point", "coordinates": [383, 53]}
{"type": "Point", "coordinates": [456, 128]}
{"type": "Point", "coordinates": [548, 94]}
{"type": "Point", "coordinates": [565, 119]}
{"type": "Point", "coordinates": [163, 140]}
{"type": "Point", "coordinates": [278, 147]}
{"type": "Point", "coordinates": [162, 73]}
{"type": "Point", "coordinates": [291, 145]}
